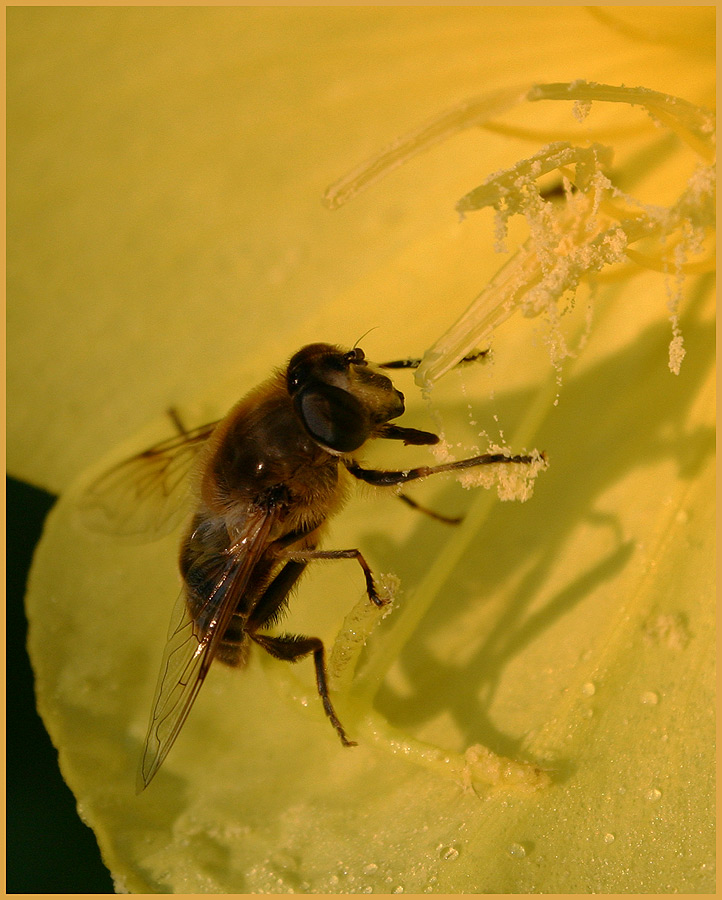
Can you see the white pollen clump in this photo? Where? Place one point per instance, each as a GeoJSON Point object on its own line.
{"type": "Point", "coordinates": [514, 481]}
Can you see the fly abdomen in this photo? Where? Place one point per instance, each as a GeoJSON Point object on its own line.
{"type": "Point", "coordinates": [233, 649]}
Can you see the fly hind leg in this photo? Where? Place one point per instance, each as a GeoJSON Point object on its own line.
{"type": "Point", "coordinates": [293, 647]}
{"type": "Point", "coordinates": [270, 607]}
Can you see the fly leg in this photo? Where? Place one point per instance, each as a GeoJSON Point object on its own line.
{"type": "Point", "coordinates": [448, 520]}
{"type": "Point", "coordinates": [383, 478]}
{"type": "Point", "coordinates": [416, 437]}
{"type": "Point", "coordinates": [343, 554]}
{"type": "Point", "coordinates": [292, 647]}
{"type": "Point", "coordinates": [416, 362]}
{"type": "Point", "coordinates": [175, 418]}
{"type": "Point", "coordinates": [269, 607]}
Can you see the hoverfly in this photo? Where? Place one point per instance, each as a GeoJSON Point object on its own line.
{"type": "Point", "coordinates": [267, 478]}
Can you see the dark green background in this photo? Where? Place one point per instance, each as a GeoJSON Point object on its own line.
{"type": "Point", "coordinates": [49, 850]}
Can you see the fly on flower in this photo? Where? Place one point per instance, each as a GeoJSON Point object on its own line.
{"type": "Point", "coordinates": [267, 478]}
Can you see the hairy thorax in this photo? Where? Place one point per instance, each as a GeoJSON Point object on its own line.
{"type": "Point", "coordinates": [262, 457]}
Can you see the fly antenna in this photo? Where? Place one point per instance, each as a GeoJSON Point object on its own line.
{"type": "Point", "coordinates": [363, 336]}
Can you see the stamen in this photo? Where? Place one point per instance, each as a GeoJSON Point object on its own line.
{"type": "Point", "coordinates": [569, 242]}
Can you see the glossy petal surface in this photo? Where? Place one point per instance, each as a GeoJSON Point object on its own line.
{"type": "Point", "coordinates": [168, 247]}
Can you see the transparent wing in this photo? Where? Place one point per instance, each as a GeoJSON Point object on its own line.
{"type": "Point", "coordinates": [146, 493]}
{"type": "Point", "coordinates": [193, 641]}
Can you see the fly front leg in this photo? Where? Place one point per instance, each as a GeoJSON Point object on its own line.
{"type": "Point", "coordinates": [414, 363]}
{"type": "Point", "coordinates": [440, 517]}
{"type": "Point", "coordinates": [384, 478]}
{"type": "Point", "coordinates": [407, 435]}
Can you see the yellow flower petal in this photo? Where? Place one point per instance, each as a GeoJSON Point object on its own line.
{"type": "Point", "coordinates": [168, 246]}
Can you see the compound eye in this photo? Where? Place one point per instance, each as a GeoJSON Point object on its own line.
{"type": "Point", "coordinates": [333, 417]}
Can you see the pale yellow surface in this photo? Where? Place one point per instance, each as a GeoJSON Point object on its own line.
{"type": "Point", "coordinates": [167, 247]}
